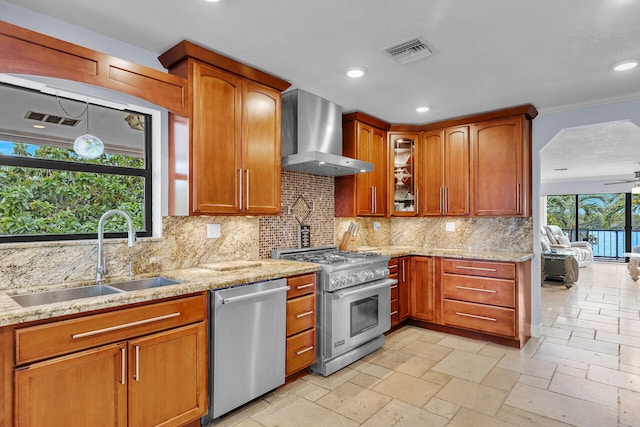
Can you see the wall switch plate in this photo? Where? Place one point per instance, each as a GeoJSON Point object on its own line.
{"type": "Point", "coordinates": [213, 231]}
{"type": "Point", "coordinates": [450, 226]}
{"type": "Point", "coordinates": [376, 225]}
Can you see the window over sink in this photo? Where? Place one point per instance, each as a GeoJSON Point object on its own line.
{"type": "Point", "coordinates": [48, 191]}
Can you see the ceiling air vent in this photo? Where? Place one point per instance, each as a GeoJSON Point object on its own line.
{"type": "Point", "coordinates": [410, 50]}
{"type": "Point", "coordinates": [51, 118]}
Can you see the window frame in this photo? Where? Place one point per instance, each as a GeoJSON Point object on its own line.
{"type": "Point", "coordinates": [146, 173]}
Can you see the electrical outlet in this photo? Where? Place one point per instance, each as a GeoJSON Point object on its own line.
{"type": "Point", "coordinates": [450, 226]}
{"type": "Point", "coordinates": [213, 231]}
{"type": "Point", "coordinates": [376, 225]}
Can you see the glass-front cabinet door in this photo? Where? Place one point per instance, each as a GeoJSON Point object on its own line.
{"type": "Point", "coordinates": [402, 152]}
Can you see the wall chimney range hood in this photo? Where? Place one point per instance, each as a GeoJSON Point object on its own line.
{"type": "Point", "coordinates": [312, 137]}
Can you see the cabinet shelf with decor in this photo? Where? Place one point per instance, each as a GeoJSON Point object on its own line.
{"type": "Point", "coordinates": [402, 156]}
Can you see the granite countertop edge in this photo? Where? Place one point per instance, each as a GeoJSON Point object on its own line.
{"type": "Point", "coordinates": [194, 280]}
{"type": "Point", "coordinates": [398, 251]}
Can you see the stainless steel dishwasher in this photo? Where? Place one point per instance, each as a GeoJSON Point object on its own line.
{"type": "Point", "coordinates": [247, 344]}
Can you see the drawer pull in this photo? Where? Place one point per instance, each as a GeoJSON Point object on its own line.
{"type": "Point", "coordinates": [304, 350]}
{"type": "Point", "coordinates": [462, 267]}
{"type": "Point", "coordinates": [124, 326]}
{"type": "Point", "coordinates": [475, 316]}
{"type": "Point", "coordinates": [466, 288]}
{"type": "Point", "coordinates": [308, 285]}
{"type": "Point", "coordinates": [394, 286]}
{"type": "Point", "coordinates": [394, 312]}
{"type": "Point", "coordinates": [308, 313]}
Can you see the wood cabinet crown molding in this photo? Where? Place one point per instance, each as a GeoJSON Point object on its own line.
{"type": "Point", "coordinates": [23, 51]}
{"type": "Point", "coordinates": [527, 110]}
{"type": "Point", "coordinates": [365, 118]}
{"type": "Point", "coordinates": [186, 49]}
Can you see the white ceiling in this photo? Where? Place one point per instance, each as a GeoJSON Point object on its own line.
{"type": "Point", "coordinates": [489, 54]}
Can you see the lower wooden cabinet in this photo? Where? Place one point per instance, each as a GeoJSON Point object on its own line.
{"type": "Point", "coordinates": [422, 292]}
{"type": "Point", "coordinates": [491, 298]}
{"type": "Point", "coordinates": [158, 378]}
{"type": "Point", "coordinates": [301, 323]}
{"type": "Point", "coordinates": [399, 269]}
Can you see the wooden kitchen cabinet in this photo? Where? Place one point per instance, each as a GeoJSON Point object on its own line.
{"type": "Point", "coordinates": [137, 366]}
{"type": "Point", "coordinates": [443, 173]}
{"type": "Point", "coordinates": [301, 323]}
{"type": "Point", "coordinates": [487, 296]}
{"type": "Point", "coordinates": [501, 167]}
{"type": "Point", "coordinates": [363, 194]}
{"type": "Point", "coordinates": [395, 292]}
{"type": "Point", "coordinates": [422, 289]}
{"type": "Point", "coordinates": [403, 165]}
{"type": "Point", "coordinates": [234, 135]}
{"type": "Point", "coordinates": [87, 388]}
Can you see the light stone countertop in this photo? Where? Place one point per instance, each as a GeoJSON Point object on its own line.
{"type": "Point", "coordinates": [398, 251]}
{"type": "Point", "coordinates": [193, 280]}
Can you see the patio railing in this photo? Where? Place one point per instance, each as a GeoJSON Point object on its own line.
{"type": "Point", "coordinates": [610, 243]}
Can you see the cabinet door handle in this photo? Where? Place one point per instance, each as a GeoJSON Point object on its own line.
{"type": "Point", "coordinates": [123, 365]}
{"type": "Point", "coordinates": [308, 313]}
{"type": "Point", "coordinates": [240, 188]}
{"type": "Point", "coordinates": [373, 199]}
{"type": "Point", "coordinates": [518, 200]}
{"type": "Point", "coordinates": [393, 312]}
{"type": "Point", "coordinates": [247, 189]}
{"type": "Point", "coordinates": [466, 288]}
{"type": "Point", "coordinates": [304, 350]}
{"type": "Point", "coordinates": [475, 316]}
{"type": "Point", "coordinates": [403, 270]}
{"type": "Point", "coordinates": [441, 209]}
{"type": "Point", "coordinates": [308, 285]}
{"type": "Point", "coordinates": [417, 193]}
{"type": "Point", "coordinates": [462, 267]}
{"type": "Point", "coordinates": [137, 374]}
{"type": "Point", "coordinates": [446, 199]}
{"type": "Point", "coordinates": [124, 325]}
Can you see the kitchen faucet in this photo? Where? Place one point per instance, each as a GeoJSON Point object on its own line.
{"type": "Point", "coordinates": [101, 267]}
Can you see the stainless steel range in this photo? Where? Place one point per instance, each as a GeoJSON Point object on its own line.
{"type": "Point", "coordinates": [353, 303]}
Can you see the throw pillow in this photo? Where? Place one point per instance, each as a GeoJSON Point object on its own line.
{"type": "Point", "coordinates": [564, 240]}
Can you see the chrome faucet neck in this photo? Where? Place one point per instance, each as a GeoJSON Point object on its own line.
{"type": "Point", "coordinates": [101, 265]}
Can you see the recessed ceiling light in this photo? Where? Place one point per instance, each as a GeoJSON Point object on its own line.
{"type": "Point", "coordinates": [626, 65]}
{"type": "Point", "coordinates": [356, 72]}
{"type": "Point", "coordinates": [39, 126]}
{"type": "Point", "coordinates": [423, 109]}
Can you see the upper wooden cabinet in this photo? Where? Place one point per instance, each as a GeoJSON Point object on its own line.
{"type": "Point", "coordinates": [476, 165]}
{"type": "Point", "coordinates": [444, 172]}
{"type": "Point", "coordinates": [365, 194]}
{"type": "Point", "coordinates": [234, 136]}
{"type": "Point", "coordinates": [501, 168]}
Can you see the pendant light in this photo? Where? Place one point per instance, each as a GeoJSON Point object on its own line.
{"type": "Point", "coordinates": [86, 146]}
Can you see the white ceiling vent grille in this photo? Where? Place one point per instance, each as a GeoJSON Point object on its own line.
{"type": "Point", "coordinates": [410, 50]}
{"type": "Point", "coordinates": [50, 118]}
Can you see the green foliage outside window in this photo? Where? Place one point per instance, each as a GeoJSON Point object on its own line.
{"type": "Point", "coordinates": [35, 201]}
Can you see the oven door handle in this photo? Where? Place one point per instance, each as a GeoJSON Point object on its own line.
{"type": "Point", "coordinates": [383, 284]}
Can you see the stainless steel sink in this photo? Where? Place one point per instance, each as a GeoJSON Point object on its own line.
{"type": "Point", "coordinates": [60, 295]}
{"type": "Point", "coordinates": [141, 284]}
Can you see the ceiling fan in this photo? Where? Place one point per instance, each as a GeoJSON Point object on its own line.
{"type": "Point", "coordinates": [636, 186]}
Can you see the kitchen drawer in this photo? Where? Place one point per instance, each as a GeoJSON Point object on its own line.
{"type": "Point", "coordinates": [67, 336]}
{"type": "Point", "coordinates": [301, 285]}
{"type": "Point", "coordinates": [301, 314]}
{"type": "Point", "coordinates": [301, 351]}
{"type": "Point", "coordinates": [484, 318]}
{"type": "Point", "coordinates": [479, 289]}
{"type": "Point", "coordinates": [394, 291]}
{"type": "Point", "coordinates": [393, 266]}
{"type": "Point", "coordinates": [502, 270]}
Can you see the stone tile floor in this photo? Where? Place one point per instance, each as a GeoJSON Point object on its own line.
{"type": "Point", "coordinates": [583, 371]}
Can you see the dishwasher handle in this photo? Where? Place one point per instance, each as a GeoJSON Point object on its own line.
{"type": "Point", "coordinates": [253, 295]}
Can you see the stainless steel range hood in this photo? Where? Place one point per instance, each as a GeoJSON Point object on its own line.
{"type": "Point", "coordinates": [312, 137]}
